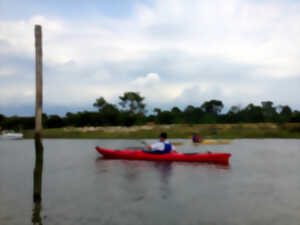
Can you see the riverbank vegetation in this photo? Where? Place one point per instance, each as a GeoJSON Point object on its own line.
{"type": "Point", "coordinates": [131, 120]}
{"type": "Point", "coordinates": [207, 131]}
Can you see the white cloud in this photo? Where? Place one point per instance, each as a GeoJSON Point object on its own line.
{"type": "Point", "coordinates": [198, 50]}
{"type": "Point", "coordinates": [5, 72]}
{"type": "Point", "coordinates": [149, 80]}
{"type": "Point", "coordinates": [15, 94]}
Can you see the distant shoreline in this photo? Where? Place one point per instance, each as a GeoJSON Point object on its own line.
{"type": "Point", "coordinates": [216, 131]}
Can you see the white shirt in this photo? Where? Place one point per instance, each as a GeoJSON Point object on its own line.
{"type": "Point", "coordinates": [160, 146]}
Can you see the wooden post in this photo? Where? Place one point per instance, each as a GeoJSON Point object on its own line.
{"type": "Point", "coordinates": [39, 79]}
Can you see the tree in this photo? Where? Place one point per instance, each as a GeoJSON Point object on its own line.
{"type": "Point", "coordinates": [189, 109]}
{"type": "Point", "coordinates": [54, 121]}
{"type": "Point", "coordinates": [110, 114]}
{"type": "Point", "coordinates": [192, 114]}
{"type": "Point", "coordinates": [295, 117]}
{"type": "Point", "coordinates": [12, 123]}
{"type": "Point", "coordinates": [235, 109]}
{"type": "Point", "coordinates": [268, 111]}
{"type": "Point", "coordinates": [132, 102]}
{"type": "Point", "coordinates": [72, 119]}
{"type": "Point", "coordinates": [100, 103]}
{"type": "Point", "coordinates": [165, 117]}
{"type": "Point", "coordinates": [285, 111]}
{"type": "Point", "coordinates": [2, 118]}
{"type": "Point", "coordinates": [177, 114]}
{"type": "Point", "coordinates": [157, 111]}
{"type": "Point", "coordinates": [175, 110]}
{"type": "Point", "coordinates": [212, 106]}
{"type": "Point", "coordinates": [252, 113]}
{"type": "Point", "coordinates": [233, 115]}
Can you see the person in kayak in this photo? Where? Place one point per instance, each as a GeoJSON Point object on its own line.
{"type": "Point", "coordinates": [197, 139]}
{"type": "Point", "coordinates": [161, 147]}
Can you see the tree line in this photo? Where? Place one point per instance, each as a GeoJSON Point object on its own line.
{"type": "Point", "coordinates": [131, 110]}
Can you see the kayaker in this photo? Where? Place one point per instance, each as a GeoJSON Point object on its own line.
{"type": "Point", "coordinates": [161, 147]}
{"type": "Point", "coordinates": [197, 139]}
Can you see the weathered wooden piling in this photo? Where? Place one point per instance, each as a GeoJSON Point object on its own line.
{"type": "Point", "coordinates": [39, 79]}
{"type": "Point", "coordinates": [38, 169]}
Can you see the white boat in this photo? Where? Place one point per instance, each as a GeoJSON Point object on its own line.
{"type": "Point", "coordinates": [11, 135]}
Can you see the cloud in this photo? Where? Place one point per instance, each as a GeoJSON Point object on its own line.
{"type": "Point", "coordinates": [194, 51]}
{"type": "Point", "coordinates": [150, 79]}
{"type": "Point", "coordinates": [5, 72]}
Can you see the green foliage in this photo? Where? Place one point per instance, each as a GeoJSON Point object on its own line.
{"type": "Point", "coordinates": [132, 102]}
{"type": "Point", "coordinates": [128, 119]}
{"type": "Point", "coordinates": [269, 112]}
{"type": "Point", "coordinates": [295, 117]}
{"type": "Point", "coordinates": [212, 106]}
{"type": "Point", "coordinates": [157, 110]}
{"type": "Point", "coordinates": [54, 121]}
{"type": "Point", "coordinates": [133, 110]}
{"type": "Point", "coordinates": [207, 131]}
{"type": "Point", "coordinates": [17, 123]}
{"type": "Point", "coordinates": [100, 103]}
{"type": "Point", "coordinates": [165, 117]}
{"type": "Point", "coordinates": [192, 114]}
{"type": "Point", "coordinates": [2, 117]}
{"type": "Point", "coordinates": [252, 114]}
{"type": "Point", "coordinates": [208, 118]}
{"type": "Point", "coordinates": [285, 111]}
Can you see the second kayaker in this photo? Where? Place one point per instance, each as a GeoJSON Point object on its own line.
{"type": "Point", "coordinates": [161, 147]}
{"type": "Point", "coordinates": [196, 138]}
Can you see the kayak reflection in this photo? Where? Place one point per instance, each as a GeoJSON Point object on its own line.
{"type": "Point", "coordinates": [146, 163]}
{"type": "Point", "coordinates": [141, 179]}
{"type": "Point", "coordinates": [165, 172]}
{"type": "Point", "coordinates": [135, 171]}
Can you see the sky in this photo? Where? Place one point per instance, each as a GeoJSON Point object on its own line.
{"type": "Point", "coordinates": [173, 52]}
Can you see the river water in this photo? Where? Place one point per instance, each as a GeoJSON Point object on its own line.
{"type": "Point", "coordinates": [260, 186]}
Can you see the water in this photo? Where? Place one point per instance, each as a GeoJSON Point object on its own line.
{"type": "Point", "coordinates": [261, 185]}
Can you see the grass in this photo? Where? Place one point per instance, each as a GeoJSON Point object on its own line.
{"type": "Point", "coordinates": [216, 131]}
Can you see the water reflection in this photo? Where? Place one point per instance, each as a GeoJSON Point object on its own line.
{"type": "Point", "coordinates": [165, 172]}
{"type": "Point", "coordinates": [36, 214]}
{"type": "Point", "coordinates": [37, 182]}
{"type": "Point", "coordinates": [84, 190]}
{"type": "Point", "coordinates": [164, 166]}
{"type": "Point", "coordinates": [161, 173]}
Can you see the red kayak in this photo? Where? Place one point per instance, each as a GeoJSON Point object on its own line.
{"type": "Point", "coordinates": [222, 158]}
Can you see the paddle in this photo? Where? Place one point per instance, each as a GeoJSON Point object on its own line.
{"type": "Point", "coordinates": [144, 143]}
{"type": "Point", "coordinates": [177, 143]}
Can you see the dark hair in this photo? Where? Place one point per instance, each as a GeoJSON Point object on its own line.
{"type": "Point", "coordinates": [164, 135]}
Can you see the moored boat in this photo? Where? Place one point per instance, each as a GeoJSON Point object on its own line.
{"type": "Point", "coordinates": [11, 135]}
